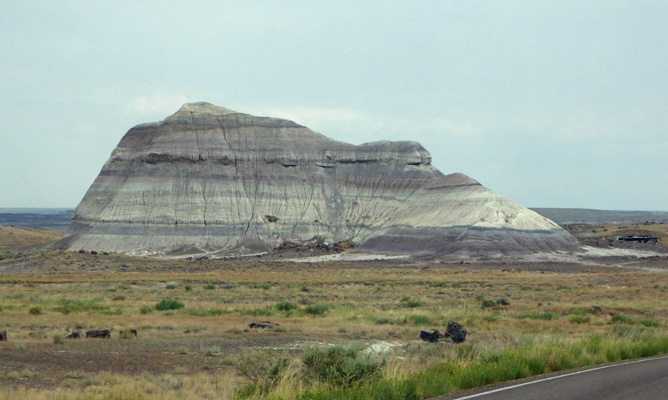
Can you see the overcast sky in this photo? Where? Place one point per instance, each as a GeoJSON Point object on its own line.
{"type": "Point", "coordinates": [550, 103]}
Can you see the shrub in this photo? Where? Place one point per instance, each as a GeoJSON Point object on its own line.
{"type": "Point", "coordinates": [340, 366]}
{"type": "Point", "coordinates": [488, 303]}
{"type": "Point", "coordinates": [646, 322]}
{"type": "Point", "coordinates": [146, 310]}
{"type": "Point", "coordinates": [188, 288]}
{"type": "Point", "coordinates": [58, 339]}
{"type": "Point", "coordinates": [317, 309]}
{"type": "Point", "coordinates": [169, 304]}
{"type": "Point", "coordinates": [411, 303]}
{"type": "Point", "coordinates": [547, 315]}
{"type": "Point", "coordinates": [579, 319]}
{"type": "Point", "coordinates": [420, 320]}
{"type": "Point", "coordinates": [69, 306]}
{"type": "Point", "coordinates": [209, 286]}
{"type": "Point", "coordinates": [503, 301]}
{"type": "Point", "coordinates": [118, 298]}
{"type": "Point", "coordinates": [621, 319]}
{"type": "Point", "coordinates": [266, 286]}
{"type": "Point", "coordinates": [205, 312]}
{"type": "Point", "coordinates": [35, 310]}
{"type": "Point", "coordinates": [231, 286]}
{"type": "Point", "coordinates": [170, 286]}
{"type": "Point", "coordinates": [0, 308]}
{"type": "Point", "coordinates": [286, 306]}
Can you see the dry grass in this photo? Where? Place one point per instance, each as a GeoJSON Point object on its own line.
{"type": "Point", "coordinates": [617, 230]}
{"type": "Point", "coordinates": [12, 237]}
{"type": "Point", "coordinates": [371, 302]}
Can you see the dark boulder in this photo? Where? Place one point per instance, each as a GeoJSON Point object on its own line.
{"type": "Point", "coordinates": [74, 335]}
{"type": "Point", "coordinates": [430, 335]}
{"type": "Point", "coordinates": [99, 334]}
{"type": "Point", "coordinates": [455, 332]}
{"type": "Point", "coordinates": [263, 325]}
{"type": "Point", "coordinates": [128, 333]}
{"type": "Point", "coordinates": [3, 336]}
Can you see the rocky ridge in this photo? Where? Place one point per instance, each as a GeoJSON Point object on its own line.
{"type": "Point", "coordinates": [211, 180]}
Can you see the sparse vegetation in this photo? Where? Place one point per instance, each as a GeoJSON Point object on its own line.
{"type": "Point", "coordinates": [286, 306]}
{"type": "Point", "coordinates": [317, 309]}
{"type": "Point", "coordinates": [169, 304]}
{"type": "Point", "coordinates": [532, 324]}
{"type": "Point", "coordinates": [35, 310]}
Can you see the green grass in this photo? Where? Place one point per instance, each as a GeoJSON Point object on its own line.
{"type": "Point", "coordinates": [494, 367]}
{"type": "Point", "coordinates": [169, 304]}
{"type": "Point", "coordinates": [35, 310]}
{"type": "Point", "coordinates": [317, 309]}
{"type": "Point", "coordinates": [286, 306]}
{"type": "Point", "coordinates": [546, 315]}
{"type": "Point", "coordinates": [621, 319]}
{"type": "Point", "coordinates": [579, 319]}
{"type": "Point", "coordinates": [205, 312]}
{"type": "Point", "coordinates": [420, 320]}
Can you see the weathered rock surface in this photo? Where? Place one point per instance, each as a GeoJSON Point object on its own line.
{"type": "Point", "coordinates": [209, 179]}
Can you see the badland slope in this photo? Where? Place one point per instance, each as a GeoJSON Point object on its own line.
{"type": "Point", "coordinates": [209, 179]}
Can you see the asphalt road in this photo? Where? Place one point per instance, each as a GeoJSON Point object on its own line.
{"type": "Point", "coordinates": [643, 379]}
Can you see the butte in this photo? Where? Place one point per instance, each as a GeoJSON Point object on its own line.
{"type": "Point", "coordinates": [209, 180]}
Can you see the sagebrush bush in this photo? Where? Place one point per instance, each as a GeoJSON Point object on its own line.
{"type": "Point", "coordinates": [420, 320]}
{"type": "Point", "coordinates": [169, 304]}
{"type": "Point", "coordinates": [411, 303]}
{"type": "Point", "coordinates": [486, 303]}
{"type": "Point", "coordinates": [340, 366]}
{"type": "Point", "coordinates": [58, 339]}
{"type": "Point", "coordinates": [35, 310]}
{"type": "Point", "coordinates": [503, 301]}
{"type": "Point", "coordinates": [621, 319]}
{"type": "Point", "coordinates": [547, 315]}
{"type": "Point", "coordinates": [579, 319]}
{"type": "Point", "coordinates": [317, 309]}
{"type": "Point", "coordinates": [205, 312]}
{"type": "Point", "coordinates": [286, 306]}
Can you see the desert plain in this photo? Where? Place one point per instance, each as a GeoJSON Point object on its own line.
{"type": "Point", "coordinates": [343, 329]}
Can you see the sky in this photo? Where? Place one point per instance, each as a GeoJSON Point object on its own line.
{"type": "Point", "coordinates": [550, 103]}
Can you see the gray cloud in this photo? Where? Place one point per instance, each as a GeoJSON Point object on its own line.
{"type": "Point", "coordinates": [549, 103]}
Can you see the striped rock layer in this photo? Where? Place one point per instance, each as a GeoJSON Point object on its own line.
{"type": "Point", "coordinates": [209, 179]}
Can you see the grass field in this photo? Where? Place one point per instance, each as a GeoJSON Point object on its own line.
{"type": "Point", "coordinates": [346, 330]}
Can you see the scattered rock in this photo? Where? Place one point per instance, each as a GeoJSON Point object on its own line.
{"type": "Point", "coordinates": [263, 325]}
{"type": "Point", "coordinates": [455, 332]}
{"type": "Point", "coordinates": [99, 334]}
{"type": "Point", "coordinates": [74, 335]}
{"type": "Point", "coordinates": [430, 335]}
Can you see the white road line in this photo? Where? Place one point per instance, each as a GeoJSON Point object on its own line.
{"type": "Point", "coordinates": [558, 377]}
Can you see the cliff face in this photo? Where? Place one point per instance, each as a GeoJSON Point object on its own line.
{"type": "Point", "coordinates": [209, 179]}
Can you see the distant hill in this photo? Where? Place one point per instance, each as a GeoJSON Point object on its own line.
{"type": "Point", "coordinates": [17, 237]}
{"type": "Point", "coordinates": [51, 218]}
{"type": "Point", "coordinates": [585, 216]}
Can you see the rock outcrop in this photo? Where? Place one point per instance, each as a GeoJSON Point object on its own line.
{"type": "Point", "coordinates": [209, 179]}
